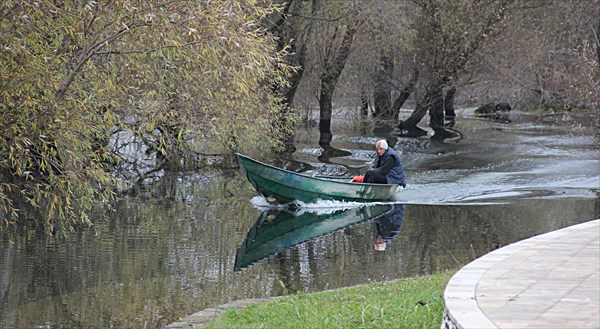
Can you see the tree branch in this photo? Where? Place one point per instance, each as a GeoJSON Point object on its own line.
{"type": "Point", "coordinates": [143, 51]}
{"type": "Point", "coordinates": [90, 49]}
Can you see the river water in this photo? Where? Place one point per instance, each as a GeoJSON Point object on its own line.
{"type": "Point", "coordinates": [200, 239]}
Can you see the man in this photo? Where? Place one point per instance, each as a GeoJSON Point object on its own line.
{"type": "Point", "coordinates": [388, 167]}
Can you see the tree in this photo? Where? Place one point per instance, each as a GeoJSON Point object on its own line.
{"type": "Point", "coordinates": [386, 40]}
{"type": "Point", "coordinates": [450, 33]}
{"type": "Point", "coordinates": [547, 55]}
{"type": "Point", "coordinates": [292, 28]}
{"type": "Point", "coordinates": [337, 26]}
{"type": "Point", "coordinates": [438, 52]}
{"type": "Point", "coordinates": [332, 69]}
{"type": "Point", "coordinates": [183, 77]}
{"type": "Point", "coordinates": [322, 55]}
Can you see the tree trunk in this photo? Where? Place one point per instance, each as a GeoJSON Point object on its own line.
{"type": "Point", "coordinates": [431, 102]}
{"type": "Point", "coordinates": [405, 94]}
{"type": "Point", "coordinates": [382, 104]}
{"type": "Point", "coordinates": [325, 105]}
{"type": "Point", "coordinates": [297, 51]}
{"type": "Point", "coordinates": [382, 97]}
{"type": "Point", "coordinates": [450, 114]}
{"type": "Point", "coordinates": [286, 35]}
{"type": "Point", "coordinates": [444, 63]}
{"type": "Point", "coordinates": [364, 104]}
{"type": "Point", "coordinates": [295, 77]}
{"type": "Point", "coordinates": [597, 35]}
{"type": "Point", "coordinates": [415, 117]}
{"type": "Point", "coordinates": [329, 80]}
{"type": "Point", "coordinates": [435, 99]}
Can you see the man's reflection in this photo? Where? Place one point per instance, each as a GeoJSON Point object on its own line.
{"type": "Point", "coordinates": [388, 226]}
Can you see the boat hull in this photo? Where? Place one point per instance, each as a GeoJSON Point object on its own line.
{"type": "Point", "coordinates": [286, 186]}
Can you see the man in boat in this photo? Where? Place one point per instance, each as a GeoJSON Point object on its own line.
{"type": "Point", "coordinates": [387, 167]}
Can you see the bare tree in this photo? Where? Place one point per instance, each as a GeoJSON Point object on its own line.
{"type": "Point", "coordinates": [293, 28]}
{"type": "Point", "coordinates": [548, 55]}
{"type": "Point", "coordinates": [449, 33]}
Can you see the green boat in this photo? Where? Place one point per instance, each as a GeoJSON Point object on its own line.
{"type": "Point", "coordinates": [284, 186]}
{"type": "Point", "coordinates": [277, 230]}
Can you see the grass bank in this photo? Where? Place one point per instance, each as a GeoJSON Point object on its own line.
{"type": "Point", "coordinates": [405, 303]}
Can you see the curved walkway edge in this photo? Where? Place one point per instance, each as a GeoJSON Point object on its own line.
{"type": "Point", "coordinates": [547, 281]}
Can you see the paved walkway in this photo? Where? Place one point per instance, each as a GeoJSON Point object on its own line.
{"type": "Point", "coordinates": [548, 281]}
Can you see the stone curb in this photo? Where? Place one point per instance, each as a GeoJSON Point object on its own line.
{"type": "Point", "coordinates": [206, 316]}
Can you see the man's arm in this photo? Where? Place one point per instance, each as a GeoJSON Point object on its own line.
{"type": "Point", "coordinates": [387, 165]}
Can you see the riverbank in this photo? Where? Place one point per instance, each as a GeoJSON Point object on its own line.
{"type": "Point", "coordinates": [410, 302]}
{"type": "Point", "coordinates": [554, 276]}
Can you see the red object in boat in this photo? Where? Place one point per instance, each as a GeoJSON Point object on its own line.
{"type": "Point", "coordinates": [358, 179]}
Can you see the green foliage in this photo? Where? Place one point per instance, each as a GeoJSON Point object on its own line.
{"type": "Point", "coordinates": [175, 73]}
{"type": "Point", "coordinates": [406, 303]}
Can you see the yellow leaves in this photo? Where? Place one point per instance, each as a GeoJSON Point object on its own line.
{"type": "Point", "coordinates": [196, 70]}
{"type": "Point", "coordinates": [150, 126]}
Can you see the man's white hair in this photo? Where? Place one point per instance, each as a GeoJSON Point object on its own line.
{"type": "Point", "coordinates": [382, 144]}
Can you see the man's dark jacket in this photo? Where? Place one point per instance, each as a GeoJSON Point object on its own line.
{"type": "Point", "coordinates": [390, 165]}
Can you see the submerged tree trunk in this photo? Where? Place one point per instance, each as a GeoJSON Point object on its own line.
{"type": "Point", "coordinates": [382, 104]}
{"type": "Point", "coordinates": [449, 113]}
{"type": "Point", "coordinates": [445, 49]}
{"type": "Point", "coordinates": [325, 105]}
{"type": "Point", "coordinates": [435, 100]}
{"type": "Point", "coordinates": [329, 80]}
{"type": "Point", "coordinates": [431, 102]}
{"type": "Point", "coordinates": [438, 101]}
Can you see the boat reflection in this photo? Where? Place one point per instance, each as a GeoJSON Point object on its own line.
{"type": "Point", "coordinates": [277, 230]}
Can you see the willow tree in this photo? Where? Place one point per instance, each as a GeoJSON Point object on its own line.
{"type": "Point", "coordinates": [449, 35]}
{"type": "Point", "coordinates": [176, 73]}
{"type": "Point", "coordinates": [550, 54]}
{"type": "Point", "coordinates": [337, 24]}
{"type": "Point", "coordinates": [293, 26]}
{"type": "Point", "coordinates": [384, 56]}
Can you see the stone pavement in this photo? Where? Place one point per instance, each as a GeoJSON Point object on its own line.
{"type": "Point", "coordinates": [548, 281]}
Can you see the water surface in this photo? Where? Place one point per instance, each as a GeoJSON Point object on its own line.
{"type": "Point", "coordinates": [171, 251]}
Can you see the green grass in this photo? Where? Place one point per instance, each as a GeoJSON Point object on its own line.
{"type": "Point", "coordinates": [406, 303]}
